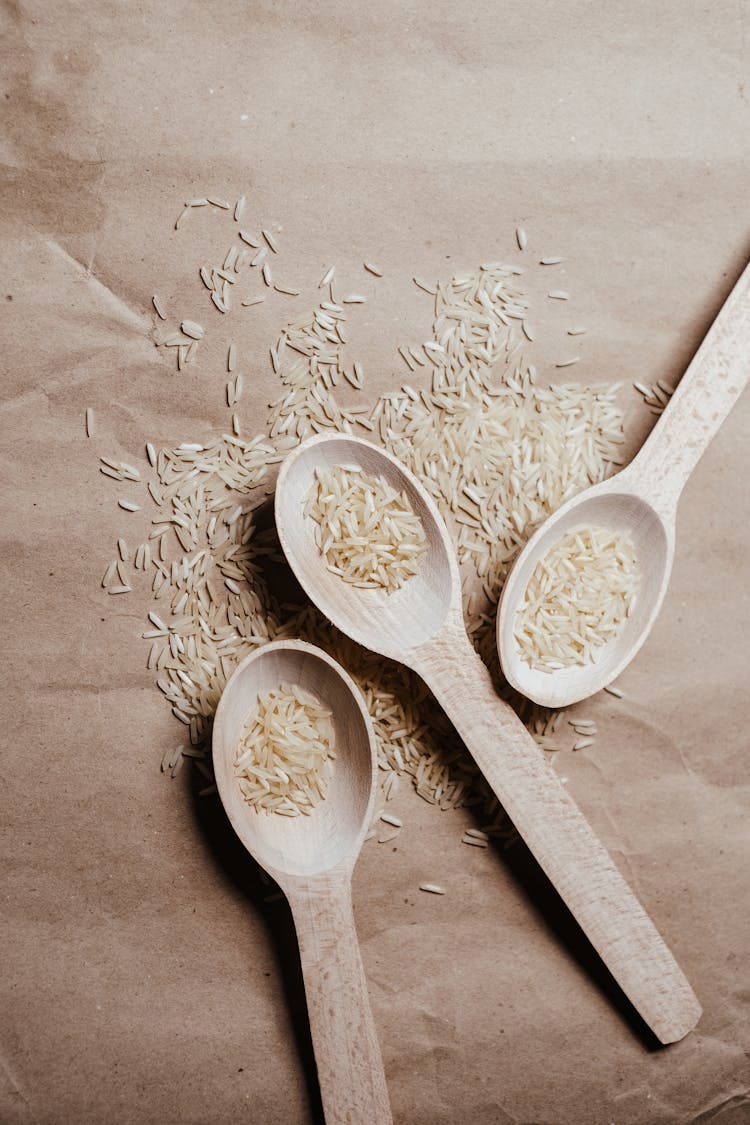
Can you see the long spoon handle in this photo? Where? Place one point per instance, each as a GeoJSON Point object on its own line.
{"type": "Point", "coordinates": [558, 835]}
{"type": "Point", "coordinates": [709, 388]}
{"type": "Point", "coordinates": [347, 1052]}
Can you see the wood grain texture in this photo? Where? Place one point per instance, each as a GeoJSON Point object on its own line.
{"type": "Point", "coordinates": [422, 626]}
{"type": "Point", "coordinates": [311, 858]}
{"type": "Point", "coordinates": [642, 501]}
{"type": "Point", "coordinates": [347, 1052]}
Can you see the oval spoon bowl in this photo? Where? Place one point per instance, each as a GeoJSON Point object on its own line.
{"type": "Point", "coordinates": [333, 830]}
{"type": "Point", "coordinates": [610, 506]}
{"type": "Point", "coordinates": [373, 618]}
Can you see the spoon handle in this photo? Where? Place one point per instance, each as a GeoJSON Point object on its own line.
{"type": "Point", "coordinates": [557, 834]}
{"type": "Point", "coordinates": [347, 1052]}
{"type": "Point", "coordinates": [709, 388]}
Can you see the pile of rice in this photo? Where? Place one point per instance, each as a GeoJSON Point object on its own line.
{"type": "Point", "coordinates": [283, 761]}
{"type": "Point", "coordinates": [577, 599]}
{"type": "Point", "coordinates": [367, 530]}
{"type": "Point", "coordinates": [497, 452]}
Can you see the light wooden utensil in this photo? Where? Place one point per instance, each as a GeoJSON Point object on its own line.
{"type": "Point", "coordinates": [312, 858]}
{"type": "Point", "coordinates": [641, 500]}
{"type": "Point", "coordinates": [421, 625]}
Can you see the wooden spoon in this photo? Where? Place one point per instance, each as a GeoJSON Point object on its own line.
{"type": "Point", "coordinates": [641, 500]}
{"type": "Point", "coordinates": [311, 858]}
{"type": "Point", "coordinates": [422, 625]}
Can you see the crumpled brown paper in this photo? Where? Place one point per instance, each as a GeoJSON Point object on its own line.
{"type": "Point", "coordinates": [146, 978]}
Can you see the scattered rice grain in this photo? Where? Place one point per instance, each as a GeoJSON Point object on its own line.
{"type": "Point", "coordinates": [425, 286]}
{"type": "Point", "coordinates": [271, 241]}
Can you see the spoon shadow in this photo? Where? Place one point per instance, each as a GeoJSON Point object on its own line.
{"type": "Point", "coordinates": [529, 879]}
{"type": "Point", "coordinates": [239, 870]}
{"type": "Point", "coordinates": [526, 875]}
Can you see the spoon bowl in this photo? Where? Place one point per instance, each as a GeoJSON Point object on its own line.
{"type": "Point", "coordinates": [612, 506]}
{"type": "Point", "coordinates": [642, 499]}
{"type": "Point", "coordinates": [374, 618]}
{"type": "Point", "coordinates": [421, 625]}
{"type": "Point", "coordinates": [332, 832]}
{"type": "Point", "coordinates": [311, 858]}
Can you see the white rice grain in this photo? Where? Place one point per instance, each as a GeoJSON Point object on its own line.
{"type": "Point", "coordinates": [366, 530]}
{"type": "Point", "coordinates": [577, 599]}
{"type": "Point", "coordinates": [284, 758]}
{"type": "Point", "coordinates": [271, 241]}
{"type": "Point", "coordinates": [425, 286]}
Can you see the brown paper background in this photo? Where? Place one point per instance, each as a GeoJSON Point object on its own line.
{"type": "Point", "coordinates": [144, 978]}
